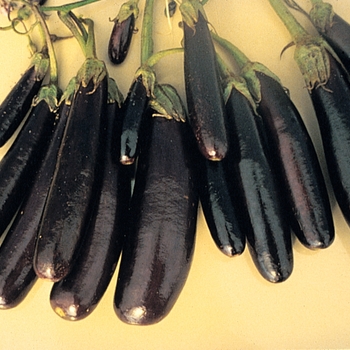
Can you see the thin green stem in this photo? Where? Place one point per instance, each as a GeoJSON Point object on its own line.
{"type": "Point", "coordinates": [68, 7]}
{"type": "Point", "coordinates": [240, 58]}
{"type": "Point", "coordinates": [48, 44]}
{"type": "Point", "coordinates": [90, 48]}
{"type": "Point", "coordinates": [155, 58]}
{"type": "Point", "coordinates": [147, 32]}
{"type": "Point", "coordinates": [295, 29]}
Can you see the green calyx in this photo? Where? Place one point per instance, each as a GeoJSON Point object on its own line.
{"type": "Point", "coordinates": [92, 69]}
{"type": "Point", "coordinates": [126, 10]}
{"type": "Point", "coordinates": [248, 72]}
{"type": "Point", "coordinates": [50, 94]}
{"type": "Point", "coordinates": [41, 62]}
{"type": "Point", "coordinates": [114, 94]}
{"type": "Point", "coordinates": [313, 61]}
{"type": "Point", "coordinates": [190, 11]}
{"type": "Point", "coordinates": [167, 103]}
{"type": "Point", "coordinates": [322, 15]}
{"type": "Point", "coordinates": [69, 92]}
{"type": "Point", "coordinates": [148, 78]}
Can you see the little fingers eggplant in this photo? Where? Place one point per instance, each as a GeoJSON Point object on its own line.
{"type": "Point", "coordinates": [253, 183]}
{"type": "Point", "coordinates": [159, 245]}
{"type": "Point", "coordinates": [72, 192]}
{"type": "Point", "coordinates": [18, 102]}
{"type": "Point", "coordinates": [202, 84]}
{"type": "Point", "coordinates": [78, 294]}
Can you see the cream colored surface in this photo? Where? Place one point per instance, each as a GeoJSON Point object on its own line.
{"type": "Point", "coordinates": [225, 303]}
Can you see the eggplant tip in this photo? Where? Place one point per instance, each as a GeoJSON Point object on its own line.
{"type": "Point", "coordinates": [47, 272]}
{"type": "Point", "coordinates": [138, 315]}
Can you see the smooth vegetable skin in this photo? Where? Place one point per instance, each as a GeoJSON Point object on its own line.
{"type": "Point", "coordinates": [134, 110]}
{"type": "Point", "coordinates": [18, 102]}
{"type": "Point", "coordinates": [22, 161]}
{"type": "Point", "coordinates": [162, 220]}
{"type": "Point", "coordinates": [17, 274]}
{"type": "Point", "coordinates": [332, 105]}
{"type": "Point", "coordinates": [254, 186]}
{"type": "Point", "coordinates": [295, 158]}
{"type": "Point", "coordinates": [218, 209]}
{"type": "Point", "coordinates": [77, 295]}
{"type": "Point", "coordinates": [203, 91]}
{"type": "Point", "coordinates": [73, 192]}
{"type": "Point", "coordinates": [120, 39]}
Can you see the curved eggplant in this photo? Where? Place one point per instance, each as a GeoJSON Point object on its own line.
{"type": "Point", "coordinates": [296, 160]}
{"type": "Point", "coordinates": [159, 245]}
{"type": "Point", "coordinates": [332, 105]}
{"type": "Point", "coordinates": [218, 209]}
{"type": "Point", "coordinates": [22, 161]}
{"type": "Point", "coordinates": [72, 192]}
{"type": "Point", "coordinates": [18, 102]}
{"type": "Point", "coordinates": [78, 294]}
{"type": "Point", "coordinates": [17, 251]}
{"type": "Point", "coordinates": [254, 186]}
{"type": "Point", "coordinates": [204, 95]}
{"type": "Point", "coordinates": [134, 110]}
{"type": "Point", "coordinates": [120, 39]}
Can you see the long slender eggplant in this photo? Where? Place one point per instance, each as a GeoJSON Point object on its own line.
{"type": "Point", "coordinates": [134, 111]}
{"type": "Point", "coordinates": [18, 102]}
{"type": "Point", "coordinates": [72, 192]}
{"type": "Point", "coordinates": [120, 39]}
{"type": "Point", "coordinates": [254, 186]}
{"type": "Point", "coordinates": [332, 105]}
{"type": "Point", "coordinates": [204, 95]}
{"type": "Point", "coordinates": [334, 29]}
{"type": "Point", "coordinates": [22, 161]}
{"type": "Point", "coordinates": [78, 294]}
{"type": "Point", "coordinates": [296, 160]}
{"type": "Point", "coordinates": [162, 220]}
{"type": "Point", "coordinates": [218, 209]}
{"type": "Point", "coordinates": [17, 274]}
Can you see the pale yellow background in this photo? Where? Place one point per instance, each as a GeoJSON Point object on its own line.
{"type": "Point", "coordinates": [225, 303]}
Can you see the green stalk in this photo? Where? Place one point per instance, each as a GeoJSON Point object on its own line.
{"type": "Point", "coordinates": [67, 7]}
{"type": "Point", "coordinates": [49, 45]}
{"type": "Point", "coordinates": [156, 57]}
{"type": "Point", "coordinates": [147, 32]}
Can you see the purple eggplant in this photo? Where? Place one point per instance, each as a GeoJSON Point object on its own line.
{"type": "Point", "coordinates": [254, 187]}
{"type": "Point", "coordinates": [159, 244]}
{"type": "Point", "coordinates": [78, 294]}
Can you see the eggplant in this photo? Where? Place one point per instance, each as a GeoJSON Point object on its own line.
{"type": "Point", "coordinates": [78, 294]}
{"type": "Point", "coordinates": [162, 218]}
{"type": "Point", "coordinates": [332, 106]}
{"type": "Point", "coordinates": [20, 164]}
{"type": "Point", "coordinates": [133, 120]}
{"type": "Point", "coordinates": [170, 8]}
{"type": "Point", "coordinates": [254, 186]}
{"type": "Point", "coordinates": [295, 158]}
{"type": "Point", "coordinates": [17, 274]}
{"type": "Point", "coordinates": [334, 29]}
{"type": "Point", "coordinates": [120, 39]}
{"type": "Point", "coordinates": [19, 101]}
{"type": "Point", "coordinates": [218, 209]}
{"type": "Point", "coordinates": [75, 183]}
{"type": "Point", "coordinates": [204, 95]}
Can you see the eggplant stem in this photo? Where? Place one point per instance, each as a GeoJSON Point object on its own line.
{"type": "Point", "coordinates": [156, 57]}
{"type": "Point", "coordinates": [48, 43]}
{"type": "Point", "coordinates": [147, 32]}
{"type": "Point", "coordinates": [67, 7]}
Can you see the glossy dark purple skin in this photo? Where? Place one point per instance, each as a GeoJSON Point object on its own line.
{"type": "Point", "coordinates": [72, 192]}
{"type": "Point", "coordinates": [295, 158]}
{"type": "Point", "coordinates": [159, 245]}
{"type": "Point", "coordinates": [22, 161]}
{"type": "Point", "coordinates": [203, 91]}
{"type": "Point", "coordinates": [17, 103]}
{"type": "Point", "coordinates": [218, 209]}
{"type": "Point", "coordinates": [78, 294]}
{"type": "Point", "coordinates": [332, 106]}
{"type": "Point", "coordinates": [120, 39]}
{"type": "Point", "coordinates": [254, 187]}
{"type": "Point", "coordinates": [17, 251]}
{"type": "Point", "coordinates": [338, 37]}
{"type": "Point", "coordinates": [134, 110]}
